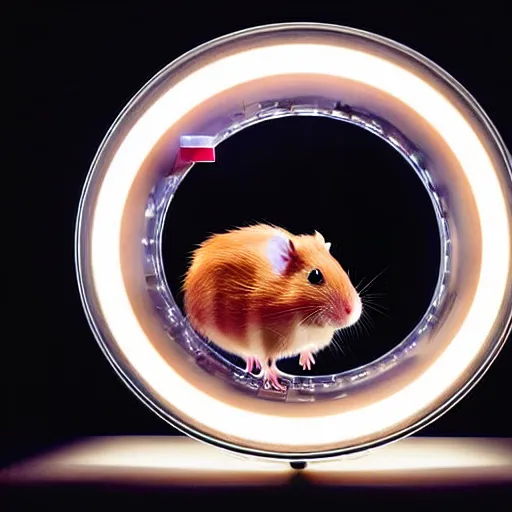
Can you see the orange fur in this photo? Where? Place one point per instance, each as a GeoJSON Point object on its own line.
{"type": "Point", "coordinates": [235, 298]}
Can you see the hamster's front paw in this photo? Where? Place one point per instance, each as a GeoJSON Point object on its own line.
{"type": "Point", "coordinates": [307, 359]}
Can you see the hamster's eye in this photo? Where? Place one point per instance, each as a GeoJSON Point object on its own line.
{"type": "Point", "coordinates": [315, 277]}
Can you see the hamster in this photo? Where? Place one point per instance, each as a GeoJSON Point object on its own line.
{"type": "Point", "coordinates": [263, 294]}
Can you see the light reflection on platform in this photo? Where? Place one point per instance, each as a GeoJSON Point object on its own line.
{"type": "Point", "coordinates": [182, 461]}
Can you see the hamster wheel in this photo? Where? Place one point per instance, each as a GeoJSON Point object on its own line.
{"type": "Point", "coordinates": [210, 94]}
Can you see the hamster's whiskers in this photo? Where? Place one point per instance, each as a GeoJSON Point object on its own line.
{"type": "Point", "coordinates": [278, 314]}
{"type": "Point", "coordinates": [317, 312]}
{"type": "Point", "coordinates": [366, 286]}
{"type": "Point", "coordinates": [376, 307]}
{"type": "Point", "coordinates": [365, 324]}
{"type": "Point", "coordinates": [336, 343]}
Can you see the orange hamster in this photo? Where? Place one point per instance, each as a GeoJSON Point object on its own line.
{"type": "Point", "coordinates": [264, 294]}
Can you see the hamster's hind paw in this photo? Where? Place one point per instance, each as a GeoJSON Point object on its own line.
{"type": "Point", "coordinates": [251, 363]}
{"type": "Point", "coordinates": [306, 359]}
{"type": "Point", "coordinates": [271, 378]}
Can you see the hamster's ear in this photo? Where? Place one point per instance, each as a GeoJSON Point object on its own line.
{"type": "Point", "coordinates": [328, 246]}
{"type": "Point", "coordinates": [280, 253]}
{"type": "Point", "coordinates": [319, 237]}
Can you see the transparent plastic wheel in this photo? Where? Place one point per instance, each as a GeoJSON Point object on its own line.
{"type": "Point", "coordinates": [210, 94]}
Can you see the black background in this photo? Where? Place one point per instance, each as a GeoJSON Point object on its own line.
{"type": "Point", "coordinates": [76, 69]}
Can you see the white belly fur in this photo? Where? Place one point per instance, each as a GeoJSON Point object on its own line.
{"type": "Point", "coordinates": [314, 338]}
{"type": "Point", "coordinates": [300, 337]}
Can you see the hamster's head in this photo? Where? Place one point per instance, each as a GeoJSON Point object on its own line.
{"type": "Point", "coordinates": [312, 281]}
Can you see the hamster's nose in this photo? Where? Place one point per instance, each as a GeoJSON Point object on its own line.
{"type": "Point", "coordinates": [353, 310]}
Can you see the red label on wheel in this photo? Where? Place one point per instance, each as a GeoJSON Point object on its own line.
{"type": "Point", "coordinates": [197, 154]}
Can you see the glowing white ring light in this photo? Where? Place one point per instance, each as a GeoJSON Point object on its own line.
{"type": "Point", "coordinates": [217, 76]}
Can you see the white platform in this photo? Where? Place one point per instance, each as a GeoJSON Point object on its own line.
{"type": "Point", "coordinates": [182, 461]}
